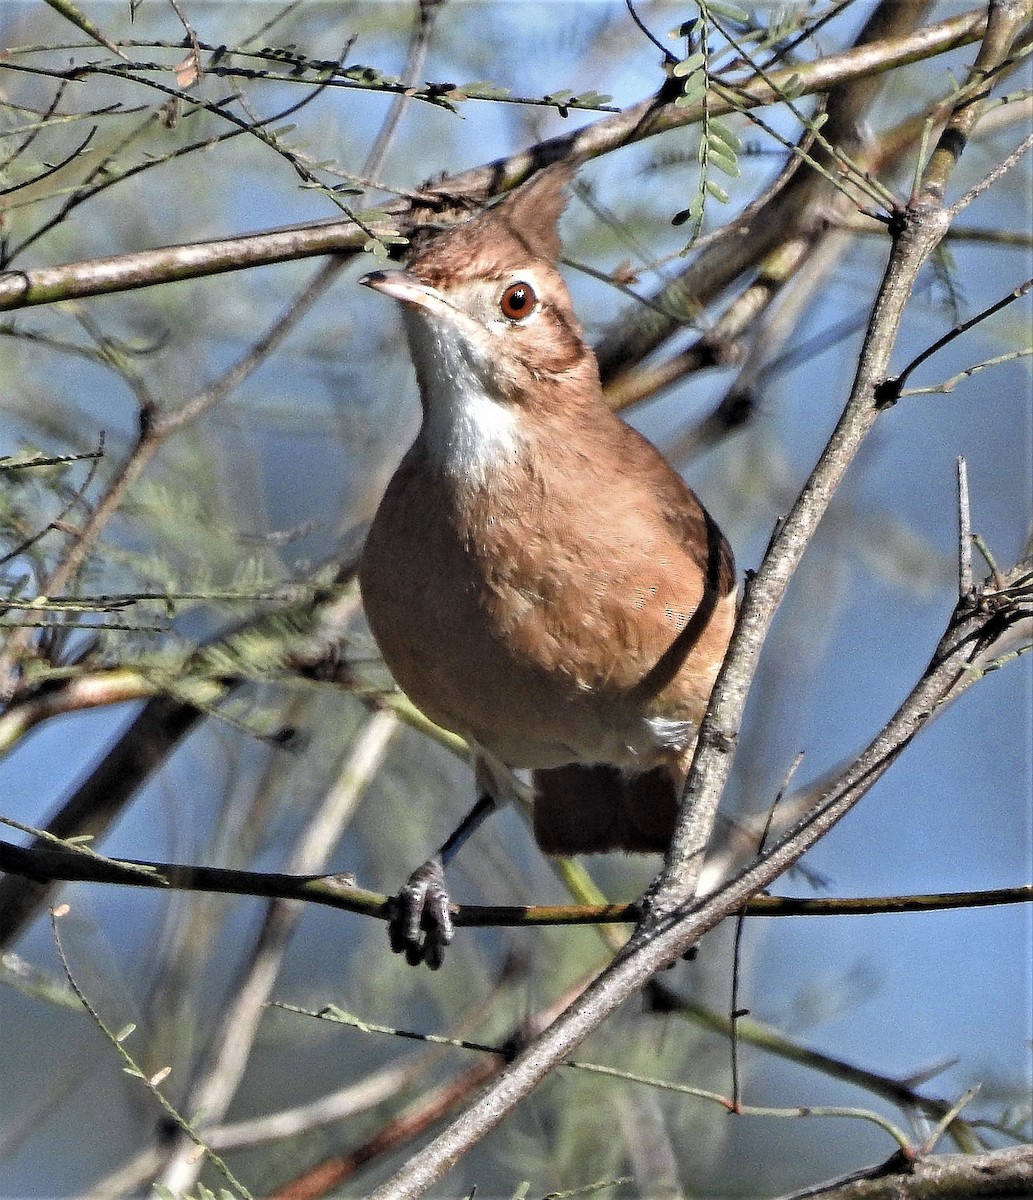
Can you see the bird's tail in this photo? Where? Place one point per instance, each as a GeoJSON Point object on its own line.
{"type": "Point", "coordinates": [593, 809]}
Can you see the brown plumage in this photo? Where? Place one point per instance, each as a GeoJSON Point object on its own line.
{"type": "Point", "coordinates": [537, 577]}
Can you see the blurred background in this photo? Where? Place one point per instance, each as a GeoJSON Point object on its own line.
{"type": "Point", "coordinates": [273, 482]}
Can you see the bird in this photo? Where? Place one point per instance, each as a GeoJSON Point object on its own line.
{"type": "Point", "coordinates": [537, 577]}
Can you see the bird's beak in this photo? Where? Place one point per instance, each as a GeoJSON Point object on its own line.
{"type": "Point", "coordinates": [402, 286]}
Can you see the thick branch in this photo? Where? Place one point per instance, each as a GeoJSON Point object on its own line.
{"type": "Point", "coordinates": [1002, 1173]}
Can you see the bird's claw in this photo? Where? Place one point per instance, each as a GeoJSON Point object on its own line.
{"type": "Point", "coordinates": [420, 917]}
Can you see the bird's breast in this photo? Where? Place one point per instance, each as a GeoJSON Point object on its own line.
{"type": "Point", "coordinates": [527, 616]}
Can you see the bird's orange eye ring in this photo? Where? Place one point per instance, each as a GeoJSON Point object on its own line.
{"type": "Point", "coordinates": [518, 301]}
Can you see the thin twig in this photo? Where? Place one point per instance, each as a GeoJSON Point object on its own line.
{"type": "Point", "coordinates": [423, 1113]}
{"type": "Point", "coordinates": [965, 578]}
{"type": "Point", "coordinates": [151, 1083]}
{"type": "Point", "coordinates": [900, 1091]}
{"type": "Point", "coordinates": [948, 385]}
{"type": "Point", "coordinates": [729, 1103]}
{"type": "Point", "coordinates": [216, 1080]}
{"type": "Point", "coordinates": [78, 864]}
{"type": "Point", "coordinates": [1015, 294]}
{"type": "Point", "coordinates": [72, 14]}
{"type": "Point", "coordinates": [991, 177]}
{"type": "Point", "coordinates": [735, 1011]}
{"type": "Point", "coordinates": [669, 57]}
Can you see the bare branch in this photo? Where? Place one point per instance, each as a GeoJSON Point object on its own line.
{"type": "Point", "coordinates": [943, 1177]}
{"type": "Point", "coordinates": [218, 1077]}
{"type": "Point", "coordinates": [956, 332]}
{"type": "Point", "coordinates": [59, 862]}
{"type": "Point", "coordinates": [965, 578]}
{"type": "Point", "coordinates": [1001, 169]}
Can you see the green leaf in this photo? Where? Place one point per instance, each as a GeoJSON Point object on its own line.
{"type": "Point", "coordinates": [731, 12]}
{"type": "Point", "coordinates": [689, 66]}
{"type": "Point", "coordinates": [481, 89]}
{"type": "Point", "coordinates": [370, 75]}
{"type": "Point", "coordinates": [792, 87]}
{"type": "Point", "coordinates": [717, 128]}
{"type": "Point", "coordinates": [695, 90]}
{"type": "Point", "coordinates": [717, 191]}
{"type": "Point", "coordinates": [590, 98]}
{"type": "Point", "coordinates": [727, 163]}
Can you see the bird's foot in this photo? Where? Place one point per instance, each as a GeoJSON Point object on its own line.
{"type": "Point", "coordinates": [420, 918]}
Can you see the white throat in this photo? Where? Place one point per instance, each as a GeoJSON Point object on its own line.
{"type": "Point", "coordinates": [467, 433]}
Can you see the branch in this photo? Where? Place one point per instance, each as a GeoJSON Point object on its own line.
{"type": "Point", "coordinates": [1004, 1173]}
{"type": "Point", "coordinates": [748, 1030]}
{"type": "Point", "coordinates": [424, 1112]}
{"type": "Point", "coordinates": [897, 383]}
{"type": "Point", "coordinates": [967, 642]}
{"type": "Point", "coordinates": [77, 864]}
{"type": "Point", "coordinates": [916, 234]}
{"type": "Point", "coordinates": [216, 1079]}
{"type": "Point", "coordinates": [121, 272]}
{"type": "Point", "coordinates": [676, 919]}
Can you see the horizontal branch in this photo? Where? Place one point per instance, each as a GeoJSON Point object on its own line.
{"type": "Point", "coordinates": [122, 272]}
{"type": "Point", "coordinates": [976, 628]}
{"type": "Point", "coordinates": [339, 891]}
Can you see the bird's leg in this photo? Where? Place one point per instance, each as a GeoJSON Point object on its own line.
{"type": "Point", "coordinates": [420, 921]}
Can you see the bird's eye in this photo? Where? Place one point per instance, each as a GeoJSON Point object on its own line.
{"type": "Point", "coordinates": [517, 301]}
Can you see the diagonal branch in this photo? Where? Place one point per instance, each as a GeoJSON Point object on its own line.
{"type": "Point", "coordinates": [973, 638]}
{"type": "Point", "coordinates": [675, 920]}
{"type": "Point", "coordinates": [934, 1177]}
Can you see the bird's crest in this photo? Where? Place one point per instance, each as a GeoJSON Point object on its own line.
{"type": "Point", "coordinates": [522, 226]}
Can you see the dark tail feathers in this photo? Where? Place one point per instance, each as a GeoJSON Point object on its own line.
{"type": "Point", "coordinates": [589, 810]}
